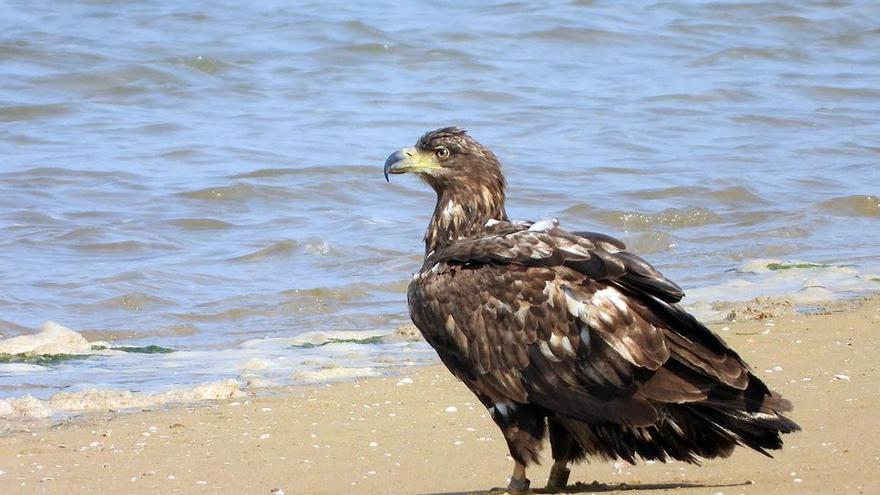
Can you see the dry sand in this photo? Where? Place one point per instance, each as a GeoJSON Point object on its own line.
{"type": "Point", "coordinates": [429, 435]}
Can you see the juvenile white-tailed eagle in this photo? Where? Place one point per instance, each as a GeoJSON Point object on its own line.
{"type": "Point", "coordinates": [568, 334]}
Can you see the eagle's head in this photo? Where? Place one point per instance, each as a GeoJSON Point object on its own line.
{"type": "Point", "coordinates": [466, 177]}
{"type": "Point", "coordinates": [449, 158]}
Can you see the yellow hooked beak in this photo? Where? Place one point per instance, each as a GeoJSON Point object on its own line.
{"type": "Point", "coordinates": [410, 160]}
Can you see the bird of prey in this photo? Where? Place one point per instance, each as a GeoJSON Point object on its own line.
{"type": "Point", "coordinates": [567, 335]}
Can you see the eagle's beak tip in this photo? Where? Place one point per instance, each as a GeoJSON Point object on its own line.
{"type": "Point", "coordinates": [395, 159]}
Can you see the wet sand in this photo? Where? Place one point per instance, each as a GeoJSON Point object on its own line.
{"type": "Point", "coordinates": [422, 432]}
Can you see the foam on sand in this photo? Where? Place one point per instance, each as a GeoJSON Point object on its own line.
{"type": "Point", "coordinates": [20, 412]}
{"type": "Point", "coordinates": [97, 399]}
{"type": "Point", "coordinates": [800, 284]}
{"type": "Point", "coordinates": [332, 374]}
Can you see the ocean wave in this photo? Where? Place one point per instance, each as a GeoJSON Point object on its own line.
{"type": "Point", "coordinates": [79, 233]}
{"type": "Point", "coordinates": [711, 96]}
{"type": "Point", "coordinates": [287, 247]}
{"type": "Point", "coordinates": [752, 53]}
{"type": "Point", "coordinates": [122, 79]}
{"type": "Point", "coordinates": [277, 249]}
{"type": "Point", "coordinates": [856, 205]}
{"type": "Point", "coordinates": [585, 35]}
{"type": "Point", "coordinates": [671, 217]}
{"type": "Point", "coordinates": [650, 242]}
{"type": "Point", "coordinates": [728, 195]}
{"type": "Point", "coordinates": [134, 301]}
{"type": "Point", "coordinates": [310, 172]}
{"type": "Point", "coordinates": [202, 63]}
{"type": "Point", "coordinates": [838, 92]}
{"type": "Point", "coordinates": [127, 246]}
{"type": "Point", "coordinates": [13, 113]}
{"type": "Point", "coordinates": [180, 330]}
{"type": "Point", "coordinates": [240, 192]}
{"type": "Point", "coordinates": [201, 224]}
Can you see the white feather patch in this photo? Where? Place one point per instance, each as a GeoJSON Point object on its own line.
{"type": "Point", "coordinates": [557, 340]}
{"type": "Point", "coordinates": [585, 336]}
{"type": "Point", "coordinates": [575, 307]}
{"type": "Point", "coordinates": [541, 251]}
{"type": "Point", "coordinates": [450, 324]}
{"type": "Point", "coordinates": [502, 408]}
{"type": "Point", "coordinates": [544, 225]}
{"type": "Point", "coordinates": [611, 295]}
{"type": "Point", "coordinates": [576, 250]}
{"type": "Point", "coordinates": [566, 344]}
{"type": "Point", "coordinates": [545, 350]}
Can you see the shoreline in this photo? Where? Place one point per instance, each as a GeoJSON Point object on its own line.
{"type": "Point", "coordinates": [423, 432]}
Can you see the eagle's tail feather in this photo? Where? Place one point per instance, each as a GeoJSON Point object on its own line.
{"type": "Point", "coordinates": [687, 432]}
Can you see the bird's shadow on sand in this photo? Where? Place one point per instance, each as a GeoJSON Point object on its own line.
{"type": "Point", "coordinates": [596, 487]}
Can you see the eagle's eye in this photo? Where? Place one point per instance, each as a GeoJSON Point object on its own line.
{"type": "Point", "coordinates": [442, 152]}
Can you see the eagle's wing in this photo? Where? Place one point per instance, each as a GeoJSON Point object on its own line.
{"type": "Point", "coordinates": [574, 323]}
{"type": "Point", "coordinates": [598, 256]}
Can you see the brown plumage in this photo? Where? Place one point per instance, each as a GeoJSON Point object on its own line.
{"type": "Point", "coordinates": [570, 334]}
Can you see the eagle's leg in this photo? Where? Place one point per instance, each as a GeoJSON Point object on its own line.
{"type": "Point", "coordinates": [524, 427]}
{"type": "Point", "coordinates": [561, 443]}
{"type": "Point", "coordinates": [518, 481]}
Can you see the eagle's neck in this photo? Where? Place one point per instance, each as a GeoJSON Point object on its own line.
{"type": "Point", "coordinates": [463, 212]}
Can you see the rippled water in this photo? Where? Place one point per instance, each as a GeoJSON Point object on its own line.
{"type": "Point", "coordinates": [201, 175]}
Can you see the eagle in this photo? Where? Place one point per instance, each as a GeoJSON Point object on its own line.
{"type": "Point", "coordinates": [567, 335]}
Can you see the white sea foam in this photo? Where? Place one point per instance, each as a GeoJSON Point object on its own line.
{"type": "Point", "coordinates": [101, 384]}
{"type": "Point", "coordinates": [23, 407]}
{"type": "Point", "coordinates": [332, 374]}
{"type": "Point", "coordinates": [51, 339]}
{"type": "Point", "coordinates": [93, 399]}
{"type": "Point", "coordinates": [20, 368]}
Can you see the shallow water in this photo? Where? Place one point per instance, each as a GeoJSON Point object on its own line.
{"type": "Point", "coordinates": [207, 175]}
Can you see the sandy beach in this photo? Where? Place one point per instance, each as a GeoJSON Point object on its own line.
{"type": "Point", "coordinates": [422, 432]}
